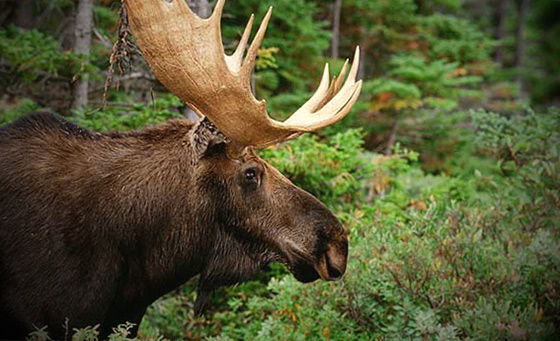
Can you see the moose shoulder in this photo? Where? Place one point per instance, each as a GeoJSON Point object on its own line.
{"type": "Point", "coordinates": [95, 227]}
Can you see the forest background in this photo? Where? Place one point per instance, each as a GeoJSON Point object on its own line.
{"type": "Point", "coordinates": [446, 173]}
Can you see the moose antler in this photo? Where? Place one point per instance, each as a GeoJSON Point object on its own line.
{"type": "Point", "coordinates": [187, 55]}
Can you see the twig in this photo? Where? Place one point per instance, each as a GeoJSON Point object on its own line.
{"type": "Point", "coordinates": [131, 76]}
{"type": "Point", "coordinates": [122, 51]}
{"type": "Point", "coordinates": [514, 155]}
{"type": "Point", "coordinates": [113, 104]}
{"type": "Point", "coordinates": [103, 39]}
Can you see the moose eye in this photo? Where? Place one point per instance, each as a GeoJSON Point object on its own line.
{"type": "Point", "coordinates": [251, 174]}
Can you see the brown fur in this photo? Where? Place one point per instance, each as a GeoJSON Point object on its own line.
{"type": "Point", "coordinates": [95, 227]}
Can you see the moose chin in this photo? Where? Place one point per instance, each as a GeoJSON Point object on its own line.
{"type": "Point", "coordinates": [95, 227]}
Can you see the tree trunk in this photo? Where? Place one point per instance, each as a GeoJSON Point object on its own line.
{"type": "Point", "coordinates": [6, 9]}
{"type": "Point", "coordinates": [24, 14]}
{"type": "Point", "coordinates": [203, 10]}
{"type": "Point", "coordinates": [364, 46]}
{"type": "Point", "coordinates": [392, 136]}
{"type": "Point", "coordinates": [66, 29]}
{"type": "Point", "coordinates": [501, 30]}
{"type": "Point", "coordinates": [336, 29]}
{"type": "Point", "coordinates": [521, 43]}
{"type": "Point", "coordinates": [82, 46]}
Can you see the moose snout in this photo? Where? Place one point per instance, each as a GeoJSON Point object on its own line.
{"type": "Point", "coordinates": [332, 265]}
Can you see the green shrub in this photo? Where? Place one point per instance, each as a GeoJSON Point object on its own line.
{"type": "Point", "coordinates": [134, 117]}
{"type": "Point", "coordinates": [31, 52]}
{"type": "Point", "coordinates": [24, 107]}
{"type": "Point", "coordinates": [332, 171]}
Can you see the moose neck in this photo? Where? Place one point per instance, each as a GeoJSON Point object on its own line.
{"type": "Point", "coordinates": [159, 229]}
{"type": "Point", "coordinates": [179, 230]}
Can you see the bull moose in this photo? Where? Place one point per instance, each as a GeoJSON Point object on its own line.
{"type": "Point", "coordinates": [95, 227]}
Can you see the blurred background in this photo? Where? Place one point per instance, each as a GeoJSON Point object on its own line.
{"type": "Point", "coordinates": [445, 174]}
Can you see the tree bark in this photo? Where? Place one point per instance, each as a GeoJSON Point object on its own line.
{"type": "Point", "coordinates": [392, 136]}
{"type": "Point", "coordinates": [364, 46]}
{"type": "Point", "coordinates": [66, 29]}
{"type": "Point", "coordinates": [24, 14]}
{"type": "Point", "coordinates": [501, 30]}
{"type": "Point", "coordinates": [335, 42]}
{"type": "Point", "coordinates": [6, 9]}
{"type": "Point", "coordinates": [82, 46]}
{"type": "Point", "coordinates": [520, 41]}
{"type": "Point", "coordinates": [203, 10]}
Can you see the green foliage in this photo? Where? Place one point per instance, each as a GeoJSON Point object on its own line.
{"type": "Point", "coordinates": [120, 333]}
{"type": "Point", "coordinates": [334, 172]}
{"type": "Point", "coordinates": [299, 39]}
{"type": "Point", "coordinates": [436, 79]}
{"type": "Point", "coordinates": [105, 19]}
{"type": "Point", "coordinates": [24, 107]}
{"type": "Point", "coordinates": [527, 147]}
{"type": "Point", "coordinates": [30, 53]}
{"type": "Point", "coordinates": [386, 20]}
{"type": "Point", "coordinates": [41, 334]}
{"type": "Point", "coordinates": [137, 116]}
{"type": "Point", "coordinates": [415, 82]}
{"type": "Point", "coordinates": [86, 334]}
{"type": "Point", "coordinates": [423, 61]}
{"type": "Point", "coordinates": [455, 39]}
{"type": "Point", "coordinates": [542, 69]}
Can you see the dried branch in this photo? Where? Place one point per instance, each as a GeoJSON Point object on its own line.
{"type": "Point", "coordinates": [122, 53]}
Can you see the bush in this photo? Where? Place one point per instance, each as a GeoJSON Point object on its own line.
{"type": "Point", "coordinates": [31, 53]}
{"type": "Point", "coordinates": [134, 117]}
{"type": "Point", "coordinates": [24, 107]}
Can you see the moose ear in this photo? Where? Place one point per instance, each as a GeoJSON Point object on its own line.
{"type": "Point", "coordinates": [207, 139]}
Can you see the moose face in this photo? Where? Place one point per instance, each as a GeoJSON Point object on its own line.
{"type": "Point", "coordinates": [260, 205]}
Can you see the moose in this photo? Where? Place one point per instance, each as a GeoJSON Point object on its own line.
{"type": "Point", "coordinates": [95, 227]}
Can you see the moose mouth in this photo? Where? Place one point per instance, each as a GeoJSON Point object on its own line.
{"type": "Point", "coordinates": [329, 264]}
{"type": "Point", "coordinates": [305, 272]}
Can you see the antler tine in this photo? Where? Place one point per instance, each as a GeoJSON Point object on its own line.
{"type": "Point", "coordinates": [249, 63]}
{"type": "Point", "coordinates": [234, 61]}
{"type": "Point", "coordinates": [335, 85]}
{"type": "Point", "coordinates": [341, 76]}
{"type": "Point", "coordinates": [218, 10]}
{"type": "Point", "coordinates": [335, 109]}
{"type": "Point", "coordinates": [337, 102]}
{"type": "Point", "coordinates": [355, 65]}
{"type": "Point", "coordinates": [319, 95]}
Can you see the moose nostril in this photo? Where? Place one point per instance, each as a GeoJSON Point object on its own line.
{"type": "Point", "coordinates": [334, 272]}
{"type": "Point", "coordinates": [335, 259]}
